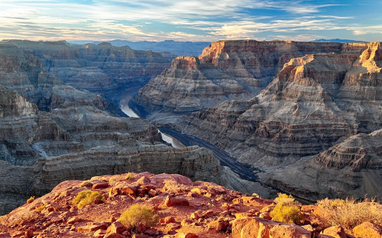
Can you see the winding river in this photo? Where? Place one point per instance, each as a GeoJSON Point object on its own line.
{"type": "Point", "coordinates": [174, 142]}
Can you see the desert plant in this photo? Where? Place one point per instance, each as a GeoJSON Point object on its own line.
{"type": "Point", "coordinates": [129, 176]}
{"type": "Point", "coordinates": [287, 214]}
{"type": "Point", "coordinates": [286, 209]}
{"type": "Point", "coordinates": [39, 208]}
{"type": "Point", "coordinates": [87, 197]}
{"type": "Point", "coordinates": [30, 200]}
{"type": "Point", "coordinates": [172, 186]}
{"type": "Point", "coordinates": [138, 214]}
{"type": "Point", "coordinates": [349, 213]}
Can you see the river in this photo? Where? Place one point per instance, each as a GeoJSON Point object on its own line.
{"type": "Point", "coordinates": [174, 142]}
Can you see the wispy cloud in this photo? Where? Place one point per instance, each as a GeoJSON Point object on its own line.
{"type": "Point", "coordinates": [194, 20]}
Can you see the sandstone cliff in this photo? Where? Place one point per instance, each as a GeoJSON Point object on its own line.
{"type": "Point", "coordinates": [227, 70]}
{"type": "Point", "coordinates": [315, 102]}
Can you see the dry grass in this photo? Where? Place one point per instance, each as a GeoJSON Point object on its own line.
{"type": "Point", "coordinates": [286, 210]}
{"type": "Point", "coordinates": [129, 176]}
{"type": "Point", "coordinates": [138, 214]}
{"type": "Point", "coordinates": [87, 197]}
{"type": "Point", "coordinates": [30, 200]}
{"type": "Point", "coordinates": [349, 213]}
{"type": "Point", "coordinates": [172, 186]}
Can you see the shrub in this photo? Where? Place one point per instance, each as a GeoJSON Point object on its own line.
{"type": "Point", "coordinates": [286, 200]}
{"type": "Point", "coordinates": [138, 214]}
{"type": "Point", "coordinates": [87, 197]}
{"type": "Point", "coordinates": [349, 213]}
{"type": "Point", "coordinates": [172, 186]}
{"type": "Point", "coordinates": [286, 210]}
{"type": "Point", "coordinates": [287, 214]}
{"type": "Point", "coordinates": [30, 200]}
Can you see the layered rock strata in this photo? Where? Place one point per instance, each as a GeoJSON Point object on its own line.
{"type": "Point", "coordinates": [100, 68]}
{"type": "Point", "coordinates": [315, 102]}
{"type": "Point", "coordinates": [50, 132]}
{"type": "Point", "coordinates": [226, 70]}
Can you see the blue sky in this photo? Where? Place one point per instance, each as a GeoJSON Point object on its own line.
{"type": "Point", "coordinates": [191, 20]}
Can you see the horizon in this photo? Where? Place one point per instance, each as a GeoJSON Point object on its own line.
{"type": "Point", "coordinates": [194, 20]}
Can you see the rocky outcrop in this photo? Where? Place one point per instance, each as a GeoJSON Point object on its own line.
{"type": "Point", "coordinates": [183, 208]}
{"type": "Point", "coordinates": [100, 68]}
{"type": "Point", "coordinates": [348, 169]}
{"type": "Point", "coordinates": [227, 70]}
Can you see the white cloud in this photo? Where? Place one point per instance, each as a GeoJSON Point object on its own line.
{"type": "Point", "coordinates": [129, 19]}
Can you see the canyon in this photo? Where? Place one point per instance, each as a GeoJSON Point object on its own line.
{"type": "Point", "coordinates": [52, 131]}
{"type": "Point", "coordinates": [304, 115]}
{"type": "Point", "coordinates": [298, 117]}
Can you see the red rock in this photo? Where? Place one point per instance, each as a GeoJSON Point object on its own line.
{"type": "Point", "coordinates": [152, 193]}
{"type": "Point", "coordinates": [168, 220]}
{"type": "Point", "coordinates": [186, 222]}
{"type": "Point", "coordinates": [100, 185]}
{"type": "Point", "coordinates": [186, 235]}
{"type": "Point", "coordinates": [368, 230]}
{"type": "Point", "coordinates": [151, 232]}
{"type": "Point", "coordinates": [116, 227]}
{"type": "Point", "coordinates": [174, 201]}
{"type": "Point", "coordinates": [218, 225]}
{"type": "Point", "coordinates": [335, 231]}
{"type": "Point", "coordinates": [141, 228]}
{"type": "Point", "coordinates": [208, 213]}
{"type": "Point", "coordinates": [289, 231]}
{"type": "Point", "coordinates": [114, 235]}
{"type": "Point", "coordinates": [99, 233]}
{"type": "Point", "coordinates": [160, 178]}
{"type": "Point", "coordinates": [140, 236]}
{"type": "Point", "coordinates": [5, 235]}
{"type": "Point", "coordinates": [173, 226]}
{"type": "Point", "coordinates": [90, 228]}
{"type": "Point", "coordinates": [141, 192]}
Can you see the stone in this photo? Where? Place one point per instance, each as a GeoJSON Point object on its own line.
{"type": "Point", "coordinates": [289, 231]}
{"type": "Point", "coordinates": [368, 230]}
{"type": "Point", "coordinates": [335, 231]}
{"type": "Point", "coordinates": [116, 227]}
{"type": "Point", "coordinates": [175, 201]}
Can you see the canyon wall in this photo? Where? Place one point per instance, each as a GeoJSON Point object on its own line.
{"type": "Point", "coordinates": [226, 70]}
{"type": "Point", "coordinates": [51, 132]}
{"type": "Point", "coordinates": [316, 101]}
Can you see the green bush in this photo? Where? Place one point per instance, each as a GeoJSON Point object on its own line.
{"type": "Point", "coordinates": [87, 197]}
{"type": "Point", "coordinates": [31, 199]}
{"type": "Point", "coordinates": [138, 214]}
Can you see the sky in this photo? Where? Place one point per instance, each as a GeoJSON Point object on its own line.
{"type": "Point", "coordinates": [190, 20]}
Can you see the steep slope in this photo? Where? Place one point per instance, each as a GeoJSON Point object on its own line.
{"type": "Point", "coordinates": [348, 169]}
{"type": "Point", "coordinates": [100, 68]}
{"type": "Point", "coordinates": [226, 70]}
{"type": "Point", "coordinates": [315, 102]}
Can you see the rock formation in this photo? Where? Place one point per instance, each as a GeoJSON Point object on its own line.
{"type": "Point", "coordinates": [185, 209]}
{"type": "Point", "coordinates": [315, 102]}
{"type": "Point", "coordinates": [51, 132]}
{"type": "Point", "coordinates": [226, 70]}
{"type": "Point", "coordinates": [100, 68]}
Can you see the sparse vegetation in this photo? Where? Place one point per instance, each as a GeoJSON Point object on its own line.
{"type": "Point", "coordinates": [39, 208]}
{"type": "Point", "coordinates": [31, 199]}
{"type": "Point", "coordinates": [349, 213]}
{"type": "Point", "coordinates": [172, 186]}
{"type": "Point", "coordinates": [129, 176]}
{"type": "Point", "coordinates": [138, 214]}
{"type": "Point", "coordinates": [286, 209]}
{"type": "Point", "coordinates": [87, 197]}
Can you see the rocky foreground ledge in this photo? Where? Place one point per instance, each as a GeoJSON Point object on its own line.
{"type": "Point", "coordinates": [182, 209]}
